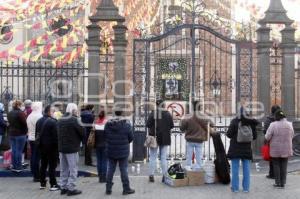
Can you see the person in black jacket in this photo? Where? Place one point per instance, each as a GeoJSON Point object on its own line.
{"type": "Point", "coordinates": [269, 120]}
{"type": "Point", "coordinates": [70, 135]}
{"type": "Point", "coordinates": [17, 131]}
{"type": "Point", "coordinates": [118, 135]}
{"type": "Point", "coordinates": [87, 119]}
{"type": "Point", "coordinates": [160, 123]}
{"type": "Point", "coordinates": [46, 134]}
{"type": "Point", "coordinates": [240, 151]}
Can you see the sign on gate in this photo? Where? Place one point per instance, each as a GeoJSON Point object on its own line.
{"type": "Point", "coordinates": [176, 108]}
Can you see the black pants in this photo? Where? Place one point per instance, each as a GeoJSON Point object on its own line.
{"type": "Point", "coordinates": [87, 150]}
{"type": "Point", "coordinates": [271, 169]}
{"type": "Point", "coordinates": [87, 155]}
{"type": "Point", "coordinates": [112, 164]}
{"type": "Point", "coordinates": [48, 159]}
{"type": "Point", "coordinates": [280, 170]}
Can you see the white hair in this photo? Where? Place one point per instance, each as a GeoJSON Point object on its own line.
{"type": "Point", "coordinates": [72, 108]}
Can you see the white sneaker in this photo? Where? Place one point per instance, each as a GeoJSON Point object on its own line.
{"type": "Point", "coordinates": [54, 188]}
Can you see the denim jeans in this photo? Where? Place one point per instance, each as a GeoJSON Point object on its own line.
{"type": "Point", "coordinates": [235, 164]}
{"type": "Point", "coordinates": [192, 147]}
{"type": "Point", "coordinates": [101, 161]}
{"type": "Point", "coordinates": [34, 160]}
{"type": "Point", "coordinates": [112, 164]}
{"type": "Point", "coordinates": [163, 150]}
{"type": "Point", "coordinates": [17, 147]}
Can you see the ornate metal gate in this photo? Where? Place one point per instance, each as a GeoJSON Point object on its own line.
{"type": "Point", "coordinates": [192, 62]}
{"type": "Point", "coordinates": [41, 81]}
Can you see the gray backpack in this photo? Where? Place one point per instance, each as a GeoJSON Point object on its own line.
{"type": "Point", "coordinates": [245, 134]}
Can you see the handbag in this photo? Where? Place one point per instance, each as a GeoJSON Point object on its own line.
{"type": "Point", "coordinates": [151, 141]}
{"type": "Point", "coordinates": [91, 142]}
{"type": "Point", "coordinates": [265, 151]}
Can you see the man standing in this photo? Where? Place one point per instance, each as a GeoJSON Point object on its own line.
{"type": "Point", "coordinates": [87, 119]}
{"type": "Point", "coordinates": [32, 119]}
{"type": "Point", "coordinates": [46, 134]}
{"type": "Point", "coordinates": [268, 122]}
{"type": "Point", "coordinates": [160, 123]}
{"type": "Point", "coordinates": [118, 135]}
{"type": "Point", "coordinates": [70, 135]}
{"type": "Point", "coordinates": [195, 127]}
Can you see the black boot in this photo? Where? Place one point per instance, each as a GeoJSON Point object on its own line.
{"type": "Point", "coordinates": [109, 188]}
{"type": "Point", "coordinates": [128, 191]}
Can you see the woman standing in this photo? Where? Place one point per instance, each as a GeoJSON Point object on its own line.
{"type": "Point", "coordinates": [17, 131]}
{"type": "Point", "coordinates": [241, 151]}
{"type": "Point", "coordinates": [100, 146]}
{"type": "Point", "coordinates": [280, 134]}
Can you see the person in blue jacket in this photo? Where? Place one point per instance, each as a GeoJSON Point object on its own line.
{"type": "Point", "coordinates": [118, 135]}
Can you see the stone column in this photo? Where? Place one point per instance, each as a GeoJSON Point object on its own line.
{"type": "Point", "coordinates": [263, 67]}
{"type": "Point", "coordinates": [288, 47]}
{"type": "Point", "coordinates": [93, 43]}
{"type": "Point", "coordinates": [120, 45]}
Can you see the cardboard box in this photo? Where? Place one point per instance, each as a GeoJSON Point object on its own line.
{"type": "Point", "coordinates": [196, 178]}
{"type": "Point", "coordinates": [176, 182]}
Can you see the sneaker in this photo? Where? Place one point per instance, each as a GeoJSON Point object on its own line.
{"type": "Point", "coordinates": [54, 188]}
{"type": "Point", "coordinates": [151, 178]}
{"type": "Point", "coordinates": [43, 186]}
{"type": "Point", "coordinates": [63, 191]}
{"type": "Point", "coordinates": [16, 170]}
{"type": "Point", "coordinates": [246, 191]}
{"type": "Point", "coordinates": [74, 192]}
{"type": "Point", "coordinates": [129, 191]}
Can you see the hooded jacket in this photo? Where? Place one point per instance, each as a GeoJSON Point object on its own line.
{"type": "Point", "coordinates": [32, 119]}
{"type": "Point", "coordinates": [118, 135]}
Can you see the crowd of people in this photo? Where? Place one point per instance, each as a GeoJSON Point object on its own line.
{"type": "Point", "coordinates": [55, 138]}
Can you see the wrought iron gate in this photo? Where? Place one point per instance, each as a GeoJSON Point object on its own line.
{"type": "Point", "coordinates": [192, 61]}
{"type": "Point", "coordinates": [41, 81]}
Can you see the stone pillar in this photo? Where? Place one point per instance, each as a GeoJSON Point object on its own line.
{"type": "Point", "coordinates": [263, 67]}
{"type": "Point", "coordinates": [93, 43]}
{"type": "Point", "coordinates": [288, 47]}
{"type": "Point", "coordinates": [120, 45]}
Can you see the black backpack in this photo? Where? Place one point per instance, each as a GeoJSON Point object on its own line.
{"type": "Point", "coordinates": [176, 170]}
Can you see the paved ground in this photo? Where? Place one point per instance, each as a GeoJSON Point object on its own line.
{"type": "Point", "coordinates": [23, 188]}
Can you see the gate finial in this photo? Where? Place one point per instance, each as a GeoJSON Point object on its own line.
{"type": "Point", "coordinates": [276, 14]}
{"type": "Point", "coordinates": [107, 11]}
